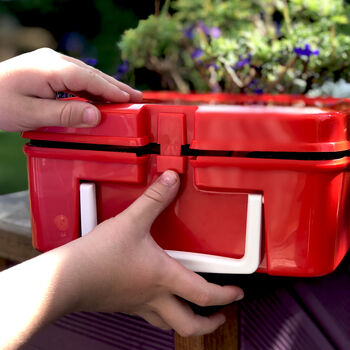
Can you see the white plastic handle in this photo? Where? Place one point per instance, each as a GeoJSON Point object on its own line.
{"type": "Point", "coordinates": [88, 211]}
{"type": "Point", "coordinates": [218, 264]}
{"type": "Point", "coordinates": [195, 261]}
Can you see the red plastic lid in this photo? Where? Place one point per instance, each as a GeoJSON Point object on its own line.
{"type": "Point", "coordinates": [281, 123]}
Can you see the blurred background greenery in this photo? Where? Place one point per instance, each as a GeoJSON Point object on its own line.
{"type": "Point", "coordinates": [271, 46]}
{"type": "Point", "coordinates": [86, 29]}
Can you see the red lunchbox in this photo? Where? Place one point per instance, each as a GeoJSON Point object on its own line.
{"type": "Point", "coordinates": [264, 179]}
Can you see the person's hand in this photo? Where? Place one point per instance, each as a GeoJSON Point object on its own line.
{"type": "Point", "coordinates": [117, 267]}
{"type": "Point", "coordinates": [29, 83]}
{"type": "Point", "coordinates": [121, 268]}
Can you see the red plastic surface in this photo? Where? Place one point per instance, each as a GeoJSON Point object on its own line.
{"type": "Point", "coordinates": [306, 231]}
{"type": "Point", "coordinates": [221, 125]}
{"type": "Point", "coordinates": [306, 226]}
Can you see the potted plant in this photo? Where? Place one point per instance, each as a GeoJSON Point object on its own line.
{"type": "Point", "coordinates": [275, 46]}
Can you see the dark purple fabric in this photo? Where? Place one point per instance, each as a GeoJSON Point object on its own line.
{"type": "Point", "coordinates": [90, 331]}
{"type": "Point", "coordinates": [328, 301]}
{"type": "Point", "coordinates": [296, 313]}
{"type": "Point", "coordinates": [277, 322]}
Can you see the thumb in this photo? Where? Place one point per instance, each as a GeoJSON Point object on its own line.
{"type": "Point", "coordinates": [77, 114]}
{"type": "Point", "coordinates": [155, 199]}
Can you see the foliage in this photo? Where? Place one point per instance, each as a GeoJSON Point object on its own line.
{"type": "Point", "coordinates": [275, 46]}
{"type": "Point", "coordinates": [44, 6]}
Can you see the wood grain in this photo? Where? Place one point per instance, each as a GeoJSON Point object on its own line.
{"type": "Point", "coordinates": [3, 264]}
{"type": "Point", "coordinates": [224, 338]}
{"type": "Point", "coordinates": [15, 230]}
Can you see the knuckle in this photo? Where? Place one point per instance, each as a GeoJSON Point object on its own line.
{"type": "Point", "coordinates": [45, 54]}
{"type": "Point", "coordinates": [188, 331]}
{"type": "Point", "coordinates": [203, 299]}
{"type": "Point", "coordinates": [87, 81]}
{"type": "Point", "coordinates": [52, 76]}
{"type": "Point", "coordinates": [45, 51]}
{"type": "Point", "coordinates": [154, 194]}
{"type": "Point", "coordinates": [66, 115]}
{"type": "Point", "coordinates": [90, 74]}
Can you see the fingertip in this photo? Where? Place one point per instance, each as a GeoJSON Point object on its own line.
{"type": "Point", "coordinates": [137, 96]}
{"type": "Point", "coordinates": [91, 116]}
{"type": "Point", "coordinates": [219, 318]}
{"type": "Point", "coordinates": [169, 178]}
{"type": "Point", "coordinates": [235, 293]}
{"type": "Point", "coordinates": [240, 297]}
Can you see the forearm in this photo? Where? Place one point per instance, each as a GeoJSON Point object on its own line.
{"type": "Point", "coordinates": [33, 294]}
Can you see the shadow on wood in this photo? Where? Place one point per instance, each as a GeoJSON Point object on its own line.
{"type": "Point", "coordinates": [224, 338]}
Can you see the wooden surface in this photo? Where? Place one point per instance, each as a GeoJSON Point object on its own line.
{"type": "Point", "coordinates": [3, 264]}
{"type": "Point", "coordinates": [224, 338]}
{"type": "Point", "coordinates": [15, 229]}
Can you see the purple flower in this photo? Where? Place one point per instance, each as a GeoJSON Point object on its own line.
{"type": "Point", "coordinates": [74, 43]}
{"type": "Point", "coordinates": [243, 61]}
{"type": "Point", "coordinates": [215, 32]}
{"type": "Point", "coordinates": [253, 83]}
{"type": "Point", "coordinates": [188, 32]}
{"type": "Point", "coordinates": [212, 64]}
{"type": "Point", "coordinates": [197, 53]}
{"type": "Point", "coordinates": [90, 61]}
{"type": "Point", "coordinates": [306, 51]}
{"type": "Point", "coordinates": [122, 69]}
{"type": "Point", "coordinates": [205, 29]}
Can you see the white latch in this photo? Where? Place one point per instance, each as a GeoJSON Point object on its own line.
{"type": "Point", "coordinates": [88, 210]}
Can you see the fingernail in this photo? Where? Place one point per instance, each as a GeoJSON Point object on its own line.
{"type": "Point", "coordinates": [168, 178]}
{"type": "Point", "coordinates": [240, 297]}
{"type": "Point", "coordinates": [90, 116]}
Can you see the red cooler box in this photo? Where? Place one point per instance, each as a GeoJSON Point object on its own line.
{"type": "Point", "coordinates": [264, 179]}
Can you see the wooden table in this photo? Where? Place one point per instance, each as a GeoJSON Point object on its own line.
{"type": "Point", "coordinates": [16, 246]}
{"type": "Point", "coordinates": [15, 230]}
{"type": "Point", "coordinates": [224, 338]}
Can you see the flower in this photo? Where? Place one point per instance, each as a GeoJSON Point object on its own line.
{"type": "Point", "coordinates": [213, 32]}
{"type": "Point", "coordinates": [205, 29]}
{"type": "Point", "coordinates": [253, 83]}
{"type": "Point", "coordinates": [90, 61]}
{"type": "Point", "coordinates": [212, 64]}
{"type": "Point", "coordinates": [188, 32]}
{"type": "Point", "coordinates": [122, 69]}
{"type": "Point", "coordinates": [306, 51]}
{"type": "Point", "coordinates": [243, 61]}
{"type": "Point", "coordinates": [197, 53]}
{"type": "Point", "coordinates": [74, 43]}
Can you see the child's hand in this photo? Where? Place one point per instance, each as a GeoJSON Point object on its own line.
{"type": "Point", "coordinates": [121, 268]}
{"type": "Point", "coordinates": [115, 267]}
{"type": "Point", "coordinates": [28, 86]}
